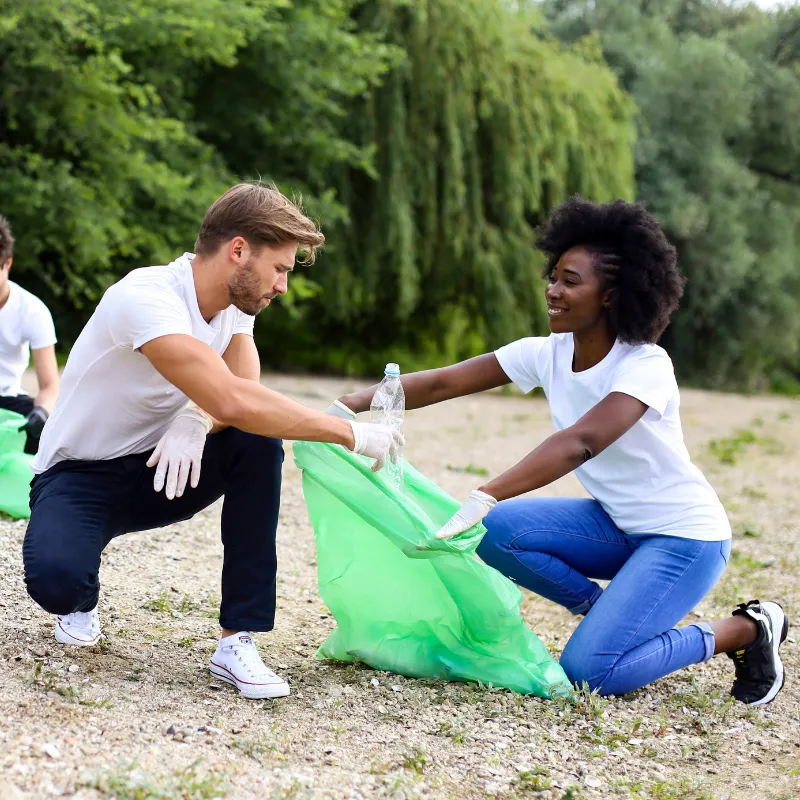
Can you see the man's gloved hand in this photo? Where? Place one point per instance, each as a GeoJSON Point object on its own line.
{"type": "Point", "coordinates": [180, 451]}
{"type": "Point", "coordinates": [472, 512]}
{"type": "Point", "coordinates": [34, 422]}
{"type": "Point", "coordinates": [377, 441]}
{"type": "Point", "coordinates": [338, 409]}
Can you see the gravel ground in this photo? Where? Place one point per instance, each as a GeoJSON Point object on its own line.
{"type": "Point", "coordinates": [138, 717]}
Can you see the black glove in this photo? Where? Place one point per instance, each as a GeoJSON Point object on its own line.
{"type": "Point", "coordinates": [34, 422]}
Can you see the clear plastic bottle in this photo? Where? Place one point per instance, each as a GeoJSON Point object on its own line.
{"type": "Point", "coordinates": [388, 407]}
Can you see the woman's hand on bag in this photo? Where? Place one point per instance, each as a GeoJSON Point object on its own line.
{"type": "Point", "coordinates": [471, 513]}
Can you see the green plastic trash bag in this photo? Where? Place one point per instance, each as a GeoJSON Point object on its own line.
{"type": "Point", "coordinates": [15, 467]}
{"type": "Point", "coordinates": [405, 601]}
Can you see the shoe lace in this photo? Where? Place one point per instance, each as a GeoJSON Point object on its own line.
{"type": "Point", "coordinates": [83, 619]}
{"type": "Point", "coordinates": [248, 657]}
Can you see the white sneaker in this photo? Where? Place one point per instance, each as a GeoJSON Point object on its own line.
{"type": "Point", "coordinates": [81, 628]}
{"type": "Point", "coordinates": [237, 661]}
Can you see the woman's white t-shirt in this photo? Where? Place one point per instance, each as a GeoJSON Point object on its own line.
{"type": "Point", "coordinates": [645, 481]}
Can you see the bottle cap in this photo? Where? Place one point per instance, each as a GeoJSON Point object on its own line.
{"type": "Point", "coordinates": [392, 369]}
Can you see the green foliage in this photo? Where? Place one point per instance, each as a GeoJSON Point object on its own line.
{"type": "Point", "coordinates": [481, 128]}
{"type": "Point", "coordinates": [428, 137]}
{"type": "Point", "coordinates": [718, 161]}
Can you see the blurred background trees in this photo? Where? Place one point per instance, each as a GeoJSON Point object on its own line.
{"type": "Point", "coordinates": [429, 137]}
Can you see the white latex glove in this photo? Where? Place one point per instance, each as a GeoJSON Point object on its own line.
{"type": "Point", "coordinates": [339, 409]}
{"type": "Point", "coordinates": [180, 451]}
{"type": "Point", "coordinates": [377, 441]}
{"type": "Point", "coordinates": [472, 512]}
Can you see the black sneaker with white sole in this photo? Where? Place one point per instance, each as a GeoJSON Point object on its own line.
{"type": "Point", "coordinates": [759, 669]}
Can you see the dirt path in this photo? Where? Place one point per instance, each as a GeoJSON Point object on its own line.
{"type": "Point", "coordinates": [139, 718]}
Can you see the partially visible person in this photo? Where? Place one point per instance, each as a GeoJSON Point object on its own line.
{"type": "Point", "coordinates": [26, 328]}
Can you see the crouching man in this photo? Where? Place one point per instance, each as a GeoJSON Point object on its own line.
{"type": "Point", "coordinates": [165, 375]}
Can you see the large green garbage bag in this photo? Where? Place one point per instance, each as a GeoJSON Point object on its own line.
{"type": "Point", "coordinates": [404, 601]}
{"type": "Point", "coordinates": [15, 467]}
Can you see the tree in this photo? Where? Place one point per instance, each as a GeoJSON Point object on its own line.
{"type": "Point", "coordinates": [482, 127]}
{"type": "Point", "coordinates": [718, 95]}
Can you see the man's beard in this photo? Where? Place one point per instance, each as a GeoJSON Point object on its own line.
{"type": "Point", "coordinates": [244, 289]}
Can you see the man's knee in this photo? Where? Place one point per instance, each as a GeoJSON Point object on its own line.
{"type": "Point", "coordinates": [57, 587]}
{"type": "Point", "coordinates": [252, 446]}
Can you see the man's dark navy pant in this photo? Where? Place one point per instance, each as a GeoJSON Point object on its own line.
{"type": "Point", "coordinates": [78, 507]}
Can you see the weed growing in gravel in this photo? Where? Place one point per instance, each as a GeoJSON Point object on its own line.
{"type": "Point", "coordinates": [257, 749]}
{"type": "Point", "coordinates": [532, 780]}
{"type": "Point", "coordinates": [51, 682]}
{"type": "Point", "coordinates": [454, 730]}
{"type": "Point", "coordinates": [470, 469]}
{"type": "Point", "coordinates": [160, 604]}
{"type": "Point", "coordinates": [129, 783]}
{"type": "Point", "coordinates": [729, 449]}
{"type": "Point", "coordinates": [414, 760]}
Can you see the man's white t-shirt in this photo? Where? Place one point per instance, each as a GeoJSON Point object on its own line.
{"type": "Point", "coordinates": [25, 324]}
{"type": "Point", "coordinates": [645, 480]}
{"type": "Point", "coordinates": [113, 401]}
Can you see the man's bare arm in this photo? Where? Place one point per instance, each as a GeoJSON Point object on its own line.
{"type": "Point", "coordinates": [203, 376]}
{"type": "Point", "coordinates": [44, 362]}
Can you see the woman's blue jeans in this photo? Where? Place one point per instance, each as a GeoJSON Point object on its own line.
{"type": "Point", "coordinates": [556, 546]}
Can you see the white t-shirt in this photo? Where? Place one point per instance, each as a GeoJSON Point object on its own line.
{"type": "Point", "coordinates": [25, 324]}
{"type": "Point", "coordinates": [113, 401]}
{"type": "Point", "coordinates": [645, 480]}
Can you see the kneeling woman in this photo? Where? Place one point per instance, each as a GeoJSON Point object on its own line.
{"type": "Point", "coordinates": [654, 526]}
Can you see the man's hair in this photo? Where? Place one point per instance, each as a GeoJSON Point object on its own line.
{"type": "Point", "coordinates": [630, 250]}
{"type": "Point", "coordinates": [261, 215]}
{"type": "Point", "coordinates": [6, 241]}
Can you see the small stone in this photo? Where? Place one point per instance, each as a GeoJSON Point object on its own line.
{"type": "Point", "coordinates": [397, 688]}
{"type": "Point", "coordinates": [593, 783]}
{"type": "Point", "coordinates": [171, 730]}
{"type": "Point", "coordinates": [375, 682]}
{"type": "Point", "coordinates": [73, 668]}
{"type": "Point", "coordinates": [51, 751]}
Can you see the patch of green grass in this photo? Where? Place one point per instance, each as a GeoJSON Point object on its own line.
{"type": "Point", "coordinates": [452, 730]}
{"type": "Point", "coordinates": [753, 493]}
{"type": "Point", "coordinates": [104, 703]}
{"type": "Point", "coordinates": [129, 783]}
{"type": "Point", "coordinates": [470, 469]}
{"type": "Point", "coordinates": [745, 562]}
{"type": "Point", "coordinates": [257, 749]}
{"type": "Point", "coordinates": [749, 533]}
{"type": "Point", "coordinates": [413, 760]}
{"type": "Point", "coordinates": [188, 604]}
{"type": "Point", "coordinates": [160, 604]}
{"type": "Point", "coordinates": [136, 674]}
{"type": "Point", "coordinates": [532, 780]}
{"type": "Point", "coordinates": [51, 682]}
{"type": "Point", "coordinates": [728, 450]}
{"type": "Point", "coordinates": [186, 641]}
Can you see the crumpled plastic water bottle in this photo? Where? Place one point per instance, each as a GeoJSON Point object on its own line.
{"type": "Point", "coordinates": [388, 407]}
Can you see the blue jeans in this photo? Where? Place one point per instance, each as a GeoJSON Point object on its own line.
{"type": "Point", "coordinates": [555, 546]}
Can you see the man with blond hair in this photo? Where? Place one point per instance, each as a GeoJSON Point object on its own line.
{"type": "Point", "coordinates": [166, 374]}
{"type": "Point", "coordinates": [26, 328]}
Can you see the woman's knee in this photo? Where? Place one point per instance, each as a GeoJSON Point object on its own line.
{"type": "Point", "coordinates": [585, 667]}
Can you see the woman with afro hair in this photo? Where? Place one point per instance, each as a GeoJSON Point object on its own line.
{"type": "Point", "coordinates": [653, 526]}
